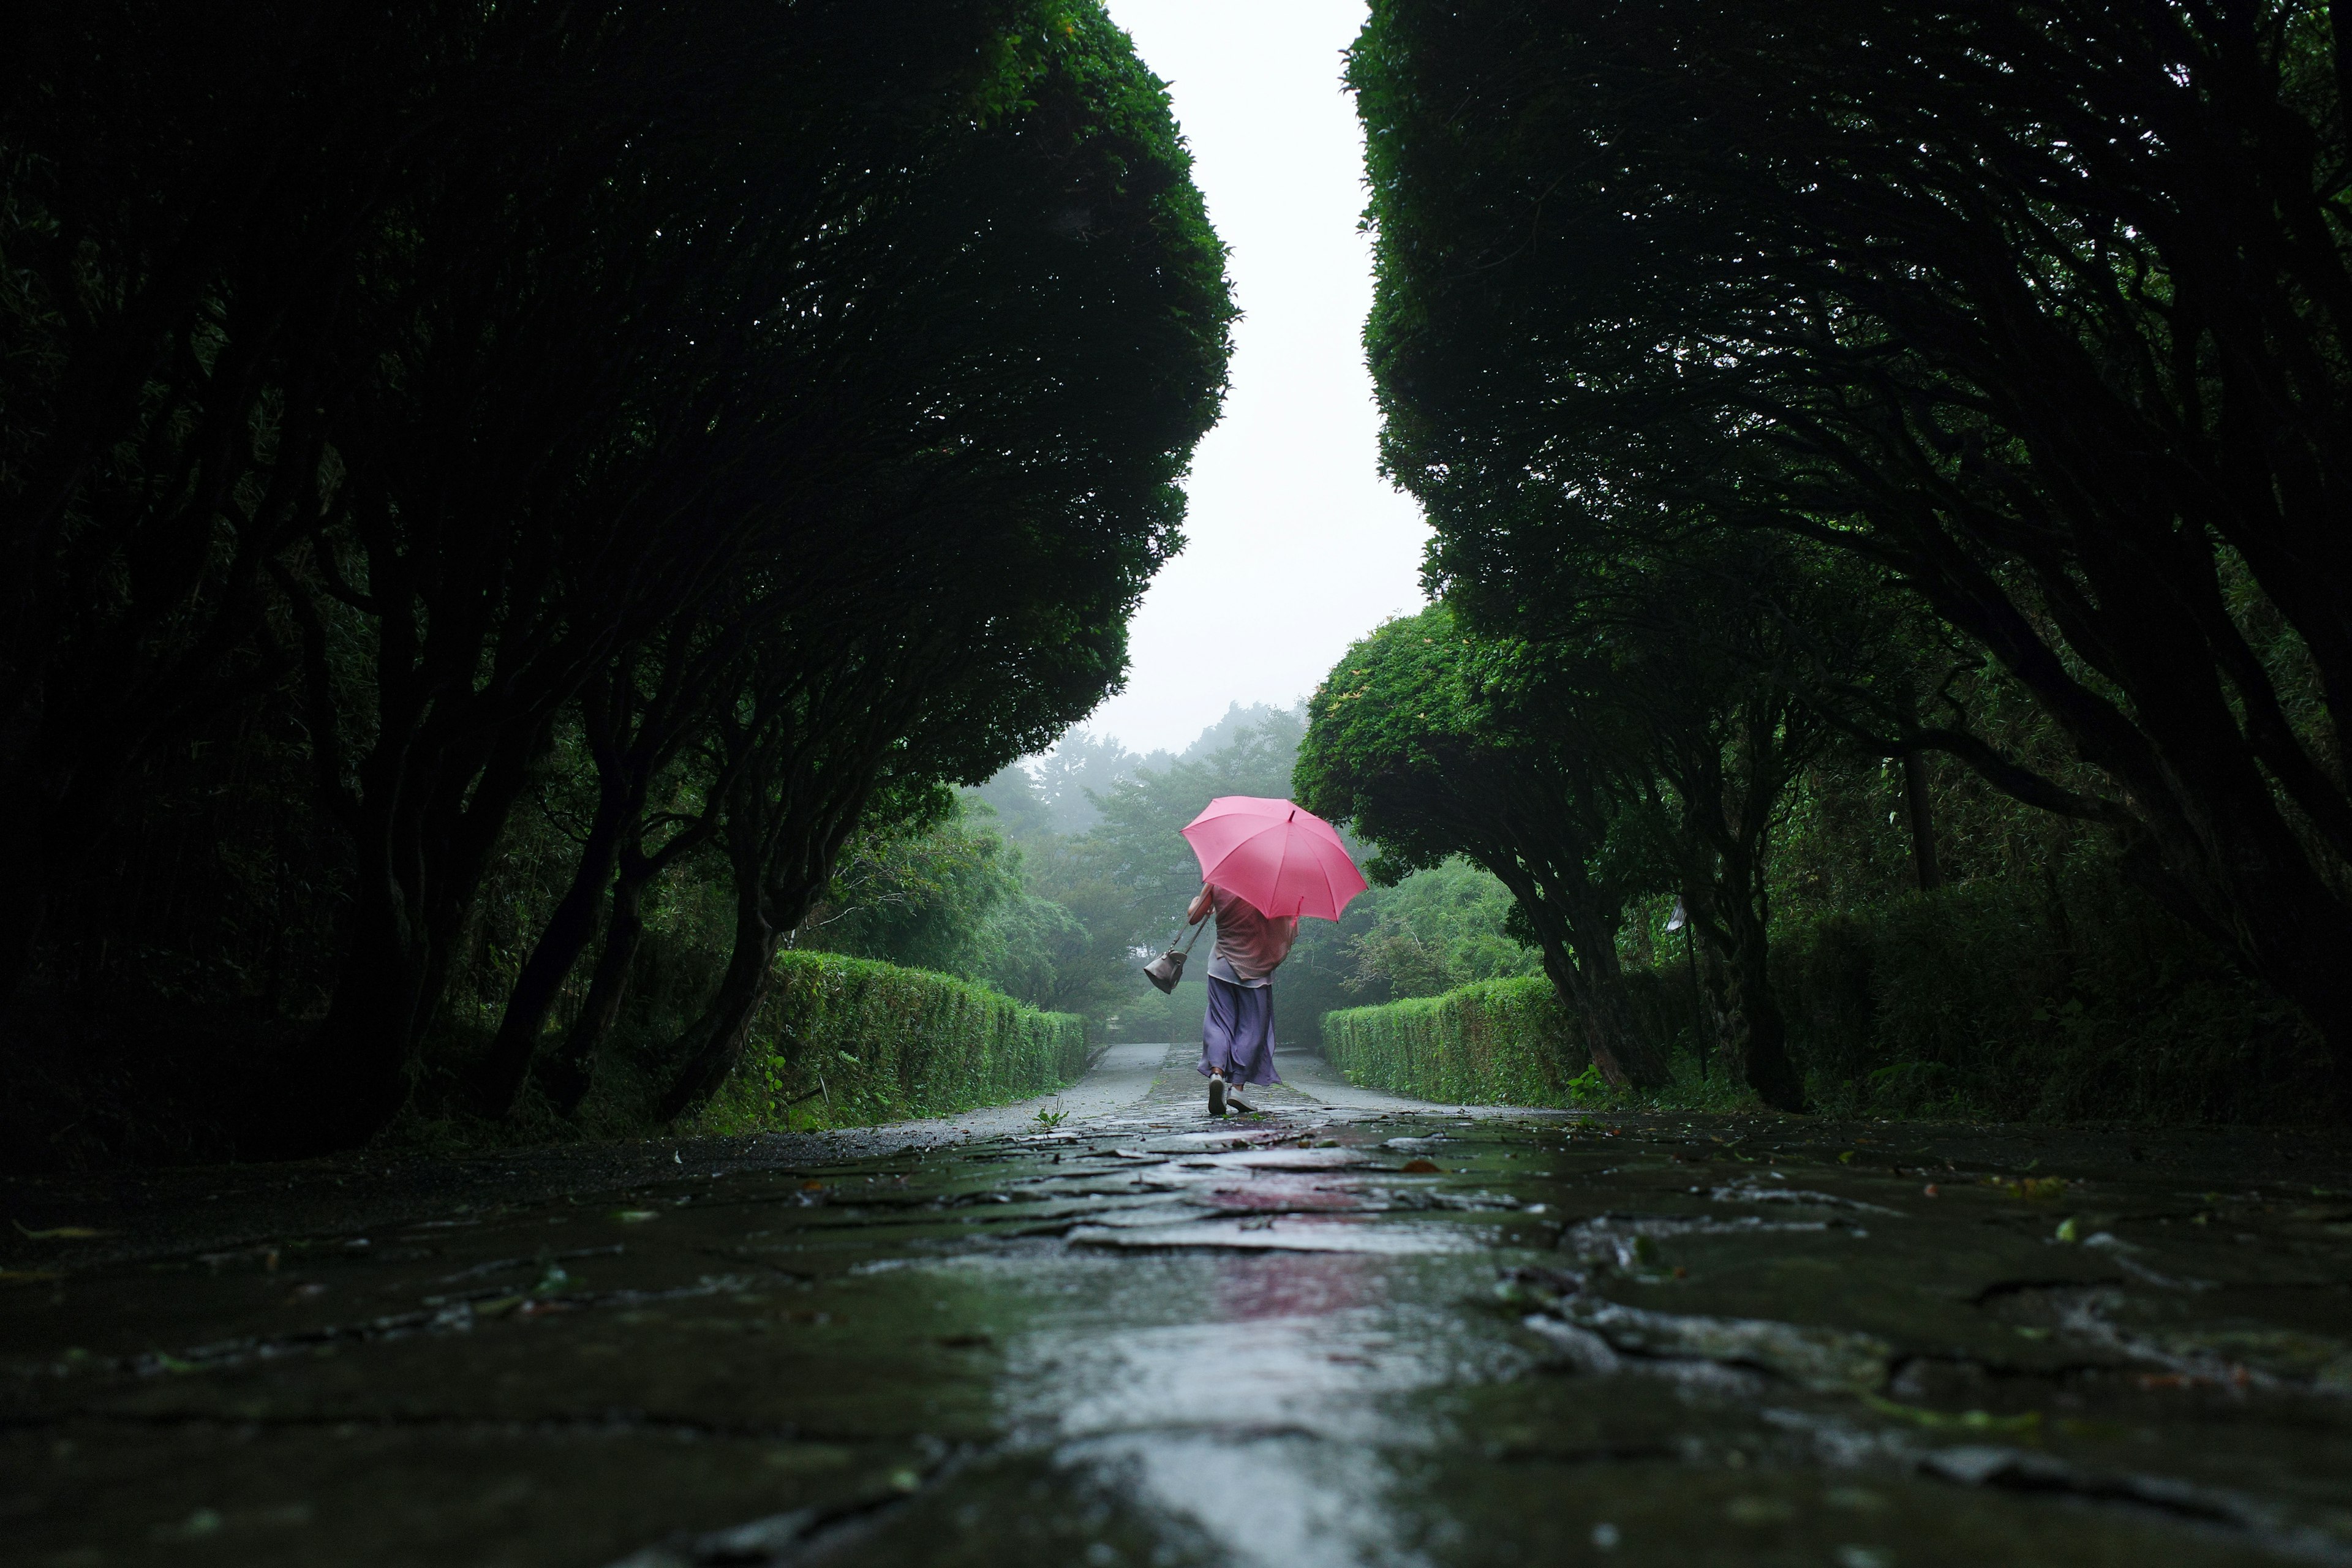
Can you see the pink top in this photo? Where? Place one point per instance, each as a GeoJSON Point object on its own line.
{"type": "Point", "coordinates": [1250, 945]}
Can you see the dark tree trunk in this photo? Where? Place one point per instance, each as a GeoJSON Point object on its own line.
{"type": "Point", "coordinates": [1925, 867]}
{"type": "Point", "coordinates": [1728, 794]}
{"type": "Point", "coordinates": [1757, 1034]}
{"type": "Point", "coordinates": [1719, 1005]}
{"type": "Point", "coordinates": [715, 1043]}
{"type": "Point", "coordinates": [352, 1083]}
{"type": "Point", "coordinates": [1617, 1040]}
{"type": "Point", "coordinates": [1700, 1032]}
{"type": "Point", "coordinates": [1582, 966]}
{"type": "Point", "coordinates": [425, 840]}
{"type": "Point", "coordinates": [2306, 953]}
{"type": "Point", "coordinates": [1609, 1022]}
{"type": "Point", "coordinates": [633, 735]}
{"type": "Point", "coordinates": [2210, 839]}
{"type": "Point", "coordinates": [565, 1076]}
{"type": "Point", "coordinates": [25, 910]}
{"type": "Point", "coordinates": [568, 931]}
{"type": "Point", "coordinates": [781, 851]}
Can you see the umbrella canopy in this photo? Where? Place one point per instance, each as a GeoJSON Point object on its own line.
{"type": "Point", "coordinates": [1284, 860]}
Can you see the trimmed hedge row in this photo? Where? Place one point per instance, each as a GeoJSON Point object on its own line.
{"type": "Point", "coordinates": [2077, 1001]}
{"type": "Point", "coordinates": [1495, 1042]}
{"type": "Point", "coordinates": [847, 1042]}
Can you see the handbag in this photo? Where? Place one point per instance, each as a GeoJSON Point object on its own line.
{"type": "Point", "coordinates": [1168, 967]}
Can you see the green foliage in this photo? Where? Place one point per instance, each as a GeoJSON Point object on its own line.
{"type": "Point", "coordinates": [1435, 741]}
{"type": "Point", "coordinates": [539, 439]}
{"type": "Point", "coordinates": [1386, 732]}
{"type": "Point", "coordinates": [2073, 999]}
{"type": "Point", "coordinates": [954, 896]}
{"type": "Point", "coordinates": [1938, 290]}
{"type": "Point", "coordinates": [1436, 930]}
{"type": "Point", "coordinates": [1496, 1042]}
{"type": "Point", "coordinates": [924, 894]}
{"type": "Point", "coordinates": [1589, 1089]}
{"type": "Point", "coordinates": [2069, 999]}
{"type": "Point", "coordinates": [1069, 781]}
{"type": "Point", "coordinates": [848, 1042]}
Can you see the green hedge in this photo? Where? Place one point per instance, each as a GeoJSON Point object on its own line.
{"type": "Point", "coordinates": [843, 1042]}
{"type": "Point", "coordinates": [2078, 1000]}
{"type": "Point", "coordinates": [1502, 1042]}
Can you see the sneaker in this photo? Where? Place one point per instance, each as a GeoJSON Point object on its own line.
{"type": "Point", "coordinates": [1216, 1094]}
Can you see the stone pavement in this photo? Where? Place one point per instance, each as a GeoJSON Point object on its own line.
{"type": "Point", "coordinates": [1352, 1330]}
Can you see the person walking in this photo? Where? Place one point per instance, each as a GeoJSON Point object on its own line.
{"type": "Point", "coordinates": [1237, 1034]}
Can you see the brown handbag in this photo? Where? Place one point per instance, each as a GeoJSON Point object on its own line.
{"type": "Point", "coordinates": [1167, 968]}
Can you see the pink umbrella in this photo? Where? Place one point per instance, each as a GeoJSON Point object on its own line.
{"type": "Point", "coordinates": [1284, 860]}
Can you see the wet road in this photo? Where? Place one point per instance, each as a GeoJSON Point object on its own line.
{"type": "Point", "coordinates": [1349, 1330]}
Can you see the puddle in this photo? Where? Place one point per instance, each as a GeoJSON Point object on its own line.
{"type": "Point", "coordinates": [1288, 1233]}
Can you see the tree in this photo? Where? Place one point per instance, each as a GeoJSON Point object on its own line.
{"type": "Point", "coordinates": [1703, 674]}
{"type": "Point", "coordinates": [938, 700]}
{"type": "Point", "coordinates": [925, 891]}
{"type": "Point", "coordinates": [1081, 768]}
{"type": "Point", "coordinates": [642, 719]}
{"type": "Point", "coordinates": [1094, 967]}
{"type": "Point", "coordinates": [574, 398]}
{"type": "Point", "coordinates": [1402, 745]}
{"type": "Point", "coordinates": [1438, 929]}
{"type": "Point", "coordinates": [824, 352]}
{"type": "Point", "coordinates": [2041, 309]}
{"type": "Point", "coordinates": [187, 200]}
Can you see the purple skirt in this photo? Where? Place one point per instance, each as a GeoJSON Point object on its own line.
{"type": "Point", "coordinates": [1237, 1036]}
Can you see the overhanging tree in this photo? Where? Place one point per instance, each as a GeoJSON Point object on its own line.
{"type": "Point", "coordinates": [1706, 676]}
{"type": "Point", "coordinates": [1404, 744]}
{"type": "Point", "coordinates": [187, 199]}
{"type": "Point", "coordinates": [989, 317]}
{"type": "Point", "coordinates": [2044, 308]}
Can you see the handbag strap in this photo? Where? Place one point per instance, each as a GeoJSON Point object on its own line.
{"type": "Point", "coordinates": [1197, 929]}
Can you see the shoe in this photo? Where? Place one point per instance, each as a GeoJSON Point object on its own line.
{"type": "Point", "coordinates": [1216, 1094]}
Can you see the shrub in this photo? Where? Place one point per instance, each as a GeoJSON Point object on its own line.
{"type": "Point", "coordinates": [2076, 1000]}
{"type": "Point", "coordinates": [850, 1042]}
{"type": "Point", "coordinates": [1495, 1041]}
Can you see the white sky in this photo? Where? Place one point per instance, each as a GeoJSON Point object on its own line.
{"type": "Point", "coordinates": [1298, 546]}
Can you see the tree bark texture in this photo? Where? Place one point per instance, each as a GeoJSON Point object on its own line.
{"type": "Point", "coordinates": [801, 774]}
{"type": "Point", "coordinates": [715, 1043]}
{"type": "Point", "coordinates": [780, 875]}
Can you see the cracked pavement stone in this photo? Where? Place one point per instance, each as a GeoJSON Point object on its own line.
{"type": "Point", "coordinates": [1145, 1337]}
